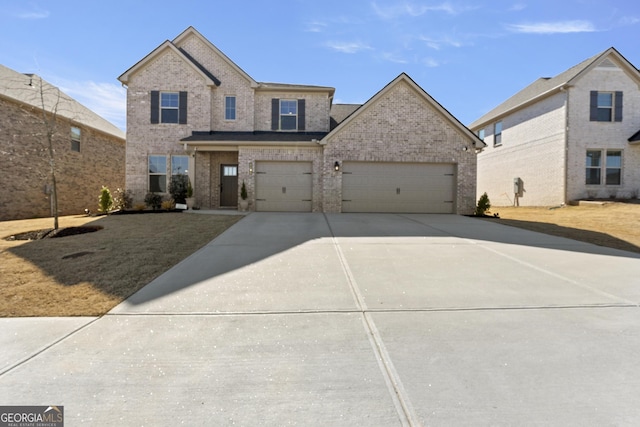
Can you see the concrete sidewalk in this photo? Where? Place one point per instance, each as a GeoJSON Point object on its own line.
{"type": "Point", "coordinates": [351, 319]}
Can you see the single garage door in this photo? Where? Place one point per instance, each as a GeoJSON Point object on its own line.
{"type": "Point", "coordinates": [283, 186]}
{"type": "Point", "coordinates": [398, 187]}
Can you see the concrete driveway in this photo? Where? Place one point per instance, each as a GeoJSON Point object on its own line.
{"type": "Point", "coordinates": [351, 319]}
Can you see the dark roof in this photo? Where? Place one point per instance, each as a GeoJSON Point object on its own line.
{"type": "Point", "coordinates": [635, 137]}
{"type": "Point", "coordinates": [200, 66]}
{"type": "Point", "coordinates": [254, 136]}
{"type": "Point", "coordinates": [339, 112]}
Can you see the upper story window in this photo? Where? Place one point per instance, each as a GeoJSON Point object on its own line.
{"type": "Point", "coordinates": [229, 107]}
{"type": "Point", "coordinates": [169, 103]}
{"type": "Point", "coordinates": [288, 114]}
{"type": "Point", "coordinates": [76, 136]}
{"type": "Point", "coordinates": [605, 106]}
{"type": "Point", "coordinates": [168, 107]}
{"type": "Point", "coordinates": [497, 133]}
{"type": "Point", "coordinates": [481, 134]}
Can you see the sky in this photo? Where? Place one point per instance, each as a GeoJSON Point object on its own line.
{"type": "Point", "coordinates": [470, 55]}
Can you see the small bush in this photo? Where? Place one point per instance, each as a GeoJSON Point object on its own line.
{"type": "Point", "coordinates": [105, 201]}
{"type": "Point", "coordinates": [483, 205]}
{"type": "Point", "coordinates": [122, 199]}
{"type": "Point", "coordinates": [153, 200]}
{"type": "Point", "coordinates": [179, 187]}
{"type": "Point", "coordinates": [140, 207]}
{"type": "Point", "coordinates": [167, 205]}
{"type": "Point", "coordinates": [243, 192]}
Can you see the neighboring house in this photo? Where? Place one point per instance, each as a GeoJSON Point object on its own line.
{"type": "Point", "coordinates": [191, 110]}
{"type": "Point", "coordinates": [89, 152]}
{"type": "Point", "coordinates": [570, 137]}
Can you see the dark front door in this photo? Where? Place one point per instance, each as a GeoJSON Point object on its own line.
{"type": "Point", "coordinates": [228, 185]}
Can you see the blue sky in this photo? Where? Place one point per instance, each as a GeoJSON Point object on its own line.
{"type": "Point", "coordinates": [470, 55]}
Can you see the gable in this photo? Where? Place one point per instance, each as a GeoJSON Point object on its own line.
{"type": "Point", "coordinates": [403, 110]}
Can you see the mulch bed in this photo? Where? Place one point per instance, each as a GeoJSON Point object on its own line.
{"type": "Point", "coordinates": [51, 233]}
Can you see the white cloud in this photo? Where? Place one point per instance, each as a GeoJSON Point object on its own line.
{"type": "Point", "coordinates": [629, 20]}
{"type": "Point", "coordinates": [108, 100]}
{"type": "Point", "coordinates": [431, 63]}
{"type": "Point", "coordinates": [34, 13]}
{"type": "Point", "coordinates": [347, 47]}
{"type": "Point", "coordinates": [412, 9]}
{"type": "Point", "coordinates": [518, 7]}
{"type": "Point", "coordinates": [438, 44]}
{"type": "Point", "coordinates": [392, 57]}
{"type": "Point", "coordinates": [315, 27]}
{"type": "Point", "coordinates": [553, 27]}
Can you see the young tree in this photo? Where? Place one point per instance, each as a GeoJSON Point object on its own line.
{"type": "Point", "coordinates": [49, 120]}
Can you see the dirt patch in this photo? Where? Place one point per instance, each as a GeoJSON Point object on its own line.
{"type": "Point", "coordinates": [90, 273]}
{"type": "Point", "coordinates": [610, 224]}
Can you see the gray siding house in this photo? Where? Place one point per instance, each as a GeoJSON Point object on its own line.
{"type": "Point", "coordinates": [191, 110]}
{"type": "Point", "coordinates": [570, 137]}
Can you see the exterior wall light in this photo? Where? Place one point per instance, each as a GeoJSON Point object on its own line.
{"type": "Point", "coordinates": [336, 166]}
{"type": "Point", "coordinates": [250, 168]}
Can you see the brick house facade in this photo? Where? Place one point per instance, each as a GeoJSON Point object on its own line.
{"type": "Point", "coordinates": [89, 151]}
{"type": "Point", "coordinates": [188, 104]}
{"type": "Point", "coordinates": [551, 138]}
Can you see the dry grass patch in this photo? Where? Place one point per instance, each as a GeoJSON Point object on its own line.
{"type": "Point", "coordinates": [88, 274]}
{"type": "Point", "coordinates": [615, 225]}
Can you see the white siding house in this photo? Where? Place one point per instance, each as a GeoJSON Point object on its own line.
{"type": "Point", "coordinates": [570, 137]}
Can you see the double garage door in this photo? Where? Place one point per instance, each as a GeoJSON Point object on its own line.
{"type": "Point", "coordinates": [398, 187]}
{"type": "Point", "coordinates": [366, 187]}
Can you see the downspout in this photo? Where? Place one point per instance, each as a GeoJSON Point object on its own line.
{"type": "Point", "coordinates": [566, 143]}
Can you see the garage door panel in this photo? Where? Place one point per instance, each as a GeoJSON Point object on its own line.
{"type": "Point", "coordinates": [284, 186]}
{"type": "Point", "coordinates": [398, 187]}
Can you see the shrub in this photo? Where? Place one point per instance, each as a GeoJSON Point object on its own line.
{"type": "Point", "coordinates": [123, 199]}
{"type": "Point", "coordinates": [483, 205]}
{"type": "Point", "coordinates": [139, 207]}
{"type": "Point", "coordinates": [178, 188]}
{"type": "Point", "coordinates": [153, 200]}
{"type": "Point", "coordinates": [105, 201]}
{"type": "Point", "coordinates": [167, 205]}
{"type": "Point", "coordinates": [243, 192]}
{"type": "Point", "coordinates": [189, 188]}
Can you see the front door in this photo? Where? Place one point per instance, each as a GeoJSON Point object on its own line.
{"type": "Point", "coordinates": [228, 186]}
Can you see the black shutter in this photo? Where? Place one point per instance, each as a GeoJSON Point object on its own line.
{"type": "Point", "coordinates": [618, 106]}
{"type": "Point", "coordinates": [275, 114]}
{"type": "Point", "coordinates": [593, 106]}
{"type": "Point", "coordinates": [155, 107]}
{"type": "Point", "coordinates": [182, 108]}
{"type": "Point", "coordinates": [301, 114]}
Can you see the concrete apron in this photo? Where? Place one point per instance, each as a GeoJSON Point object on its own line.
{"type": "Point", "coordinates": [355, 319]}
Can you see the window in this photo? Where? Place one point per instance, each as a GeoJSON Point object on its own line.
{"type": "Point", "coordinates": [497, 133]}
{"type": "Point", "coordinates": [158, 174]}
{"type": "Point", "coordinates": [605, 106]}
{"type": "Point", "coordinates": [288, 114]}
{"type": "Point", "coordinates": [229, 171]}
{"type": "Point", "coordinates": [230, 108]}
{"type": "Point", "coordinates": [179, 165]}
{"type": "Point", "coordinates": [169, 103]}
{"type": "Point", "coordinates": [594, 162]}
{"type": "Point", "coordinates": [75, 138]}
{"type": "Point", "coordinates": [481, 134]}
{"type": "Point", "coordinates": [612, 167]}
{"type": "Point", "coordinates": [168, 107]}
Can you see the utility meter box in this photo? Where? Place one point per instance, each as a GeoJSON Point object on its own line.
{"type": "Point", "coordinates": [517, 187]}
